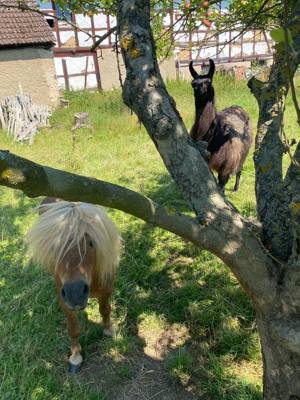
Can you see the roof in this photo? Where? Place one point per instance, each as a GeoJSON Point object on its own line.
{"type": "Point", "coordinates": [23, 28]}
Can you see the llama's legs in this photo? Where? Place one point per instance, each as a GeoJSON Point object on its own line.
{"type": "Point", "coordinates": [75, 359]}
{"type": "Point", "coordinates": [105, 311]}
{"type": "Point", "coordinates": [237, 181]}
{"type": "Point", "coordinates": [222, 181]}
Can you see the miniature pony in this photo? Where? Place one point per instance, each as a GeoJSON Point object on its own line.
{"type": "Point", "coordinates": [80, 246]}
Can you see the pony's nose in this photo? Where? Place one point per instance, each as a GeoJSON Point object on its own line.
{"type": "Point", "coordinates": [75, 294]}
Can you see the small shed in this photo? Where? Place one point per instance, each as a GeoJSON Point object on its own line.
{"type": "Point", "coordinates": [26, 55]}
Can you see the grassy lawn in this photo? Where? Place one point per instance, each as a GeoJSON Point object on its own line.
{"type": "Point", "coordinates": [185, 328]}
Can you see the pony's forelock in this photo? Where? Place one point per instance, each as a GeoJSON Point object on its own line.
{"type": "Point", "coordinates": [63, 225]}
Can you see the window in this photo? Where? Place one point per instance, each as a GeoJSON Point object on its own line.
{"type": "Point", "coordinates": [50, 21]}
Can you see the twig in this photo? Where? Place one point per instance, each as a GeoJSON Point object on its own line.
{"type": "Point", "coordinates": [287, 146]}
{"type": "Point", "coordinates": [248, 25]}
{"type": "Point", "coordinates": [183, 16]}
{"type": "Point", "coordinates": [118, 62]}
{"type": "Point", "coordinates": [170, 28]}
{"type": "Point", "coordinates": [103, 37]}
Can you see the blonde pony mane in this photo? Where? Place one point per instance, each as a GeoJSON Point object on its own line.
{"type": "Point", "coordinates": [63, 225]}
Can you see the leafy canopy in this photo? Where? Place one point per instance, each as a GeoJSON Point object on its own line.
{"type": "Point", "coordinates": [226, 15]}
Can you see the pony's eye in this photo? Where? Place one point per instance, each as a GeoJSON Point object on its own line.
{"type": "Point", "coordinates": [91, 244]}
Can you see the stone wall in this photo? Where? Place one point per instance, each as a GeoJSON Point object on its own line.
{"type": "Point", "coordinates": [32, 69]}
{"type": "Point", "coordinates": [109, 71]}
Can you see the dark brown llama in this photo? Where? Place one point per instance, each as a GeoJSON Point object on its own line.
{"type": "Point", "coordinates": [227, 132]}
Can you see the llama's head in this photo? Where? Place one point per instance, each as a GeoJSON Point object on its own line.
{"type": "Point", "coordinates": [202, 84]}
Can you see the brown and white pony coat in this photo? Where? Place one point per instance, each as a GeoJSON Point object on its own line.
{"type": "Point", "coordinates": [81, 247]}
{"type": "Point", "coordinates": [227, 132]}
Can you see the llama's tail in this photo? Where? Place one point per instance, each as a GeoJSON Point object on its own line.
{"type": "Point", "coordinates": [246, 141]}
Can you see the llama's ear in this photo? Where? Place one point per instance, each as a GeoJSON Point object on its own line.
{"type": "Point", "coordinates": [192, 71]}
{"type": "Point", "coordinates": [211, 68]}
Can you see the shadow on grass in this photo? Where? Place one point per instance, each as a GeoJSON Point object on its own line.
{"type": "Point", "coordinates": [193, 320]}
{"type": "Point", "coordinates": [33, 340]}
{"type": "Point", "coordinates": [181, 314]}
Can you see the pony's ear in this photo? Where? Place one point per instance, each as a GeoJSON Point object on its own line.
{"type": "Point", "coordinates": [192, 71]}
{"type": "Point", "coordinates": [211, 69]}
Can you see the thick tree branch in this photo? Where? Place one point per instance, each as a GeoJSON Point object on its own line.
{"type": "Point", "coordinates": [290, 55]}
{"type": "Point", "coordinates": [287, 333]}
{"type": "Point", "coordinates": [292, 187]}
{"type": "Point", "coordinates": [241, 250]}
{"type": "Point", "coordinates": [218, 227]}
{"type": "Point", "coordinates": [269, 149]}
{"type": "Point", "coordinates": [256, 86]}
{"type": "Point", "coordinates": [272, 199]}
{"type": "Point", "coordinates": [145, 93]}
{"type": "Point", "coordinates": [36, 180]}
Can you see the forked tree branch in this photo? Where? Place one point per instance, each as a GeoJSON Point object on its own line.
{"type": "Point", "coordinates": [272, 199]}
{"type": "Point", "coordinates": [290, 56]}
{"type": "Point", "coordinates": [218, 227]}
{"type": "Point", "coordinates": [145, 93]}
{"type": "Point", "coordinates": [37, 180]}
{"type": "Point", "coordinates": [241, 250]}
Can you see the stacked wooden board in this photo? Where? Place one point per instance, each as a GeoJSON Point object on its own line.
{"type": "Point", "coordinates": [21, 118]}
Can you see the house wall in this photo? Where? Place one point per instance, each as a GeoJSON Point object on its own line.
{"type": "Point", "coordinates": [32, 69]}
{"type": "Point", "coordinates": [109, 69]}
{"type": "Point", "coordinates": [184, 73]}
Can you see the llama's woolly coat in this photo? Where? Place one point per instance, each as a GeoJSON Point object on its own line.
{"type": "Point", "coordinates": [227, 132]}
{"type": "Point", "coordinates": [230, 141]}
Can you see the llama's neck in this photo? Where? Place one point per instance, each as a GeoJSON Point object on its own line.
{"type": "Point", "coordinates": [204, 118]}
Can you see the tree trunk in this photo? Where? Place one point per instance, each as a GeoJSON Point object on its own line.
{"type": "Point", "coordinates": [145, 93]}
{"type": "Point", "coordinates": [281, 360]}
{"type": "Point", "coordinates": [271, 199]}
{"type": "Point", "coordinates": [272, 285]}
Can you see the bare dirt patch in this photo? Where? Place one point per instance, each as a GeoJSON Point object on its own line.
{"type": "Point", "coordinates": [158, 342]}
{"type": "Point", "coordinates": [137, 378]}
{"type": "Point", "coordinates": [142, 374]}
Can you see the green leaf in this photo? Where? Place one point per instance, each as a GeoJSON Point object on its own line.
{"type": "Point", "coordinates": [277, 35]}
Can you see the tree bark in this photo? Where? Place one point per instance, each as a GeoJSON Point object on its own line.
{"type": "Point", "coordinates": [281, 360]}
{"type": "Point", "coordinates": [269, 148]}
{"type": "Point", "coordinates": [145, 93]}
{"type": "Point", "coordinates": [272, 197]}
{"type": "Point", "coordinates": [272, 285]}
{"type": "Point", "coordinates": [227, 236]}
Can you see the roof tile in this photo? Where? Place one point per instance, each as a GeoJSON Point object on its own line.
{"type": "Point", "coordinates": [19, 28]}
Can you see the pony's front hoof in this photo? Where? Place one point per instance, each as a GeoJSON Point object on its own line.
{"type": "Point", "coordinates": [74, 368]}
{"type": "Point", "coordinates": [109, 331]}
{"type": "Point", "coordinates": [75, 362]}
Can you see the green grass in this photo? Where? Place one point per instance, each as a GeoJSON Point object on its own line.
{"type": "Point", "coordinates": [169, 295]}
